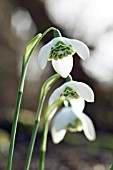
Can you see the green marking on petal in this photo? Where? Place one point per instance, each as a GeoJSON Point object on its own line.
{"type": "Point", "coordinates": [75, 127]}
{"type": "Point", "coordinates": [69, 93]}
{"type": "Point", "coordinates": [61, 50]}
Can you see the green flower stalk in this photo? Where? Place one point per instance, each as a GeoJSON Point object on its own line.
{"type": "Point", "coordinates": [46, 86]}
{"type": "Point", "coordinates": [111, 167]}
{"type": "Point", "coordinates": [27, 54]}
{"type": "Point", "coordinates": [50, 108]}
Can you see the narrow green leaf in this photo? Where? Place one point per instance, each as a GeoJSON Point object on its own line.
{"type": "Point", "coordinates": [30, 47]}
{"type": "Point", "coordinates": [111, 167]}
{"type": "Point", "coordinates": [48, 83]}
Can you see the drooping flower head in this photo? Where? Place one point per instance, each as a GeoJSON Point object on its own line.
{"type": "Point", "coordinates": [72, 118]}
{"type": "Point", "coordinates": [74, 92]}
{"type": "Point", "coordinates": [60, 51]}
{"type": "Point", "coordinates": [69, 119]}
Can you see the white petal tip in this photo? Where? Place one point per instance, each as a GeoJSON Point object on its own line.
{"type": "Point", "coordinates": [88, 127]}
{"type": "Point", "coordinates": [86, 54]}
{"type": "Point", "coordinates": [42, 62]}
{"type": "Point", "coordinates": [92, 137]}
{"type": "Point", "coordinates": [90, 97]}
{"type": "Point", "coordinates": [58, 138]}
{"type": "Point", "coordinates": [81, 49]}
{"type": "Point", "coordinates": [41, 67]}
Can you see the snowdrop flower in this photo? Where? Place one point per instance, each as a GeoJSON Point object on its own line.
{"type": "Point", "coordinates": [60, 51]}
{"type": "Point", "coordinates": [75, 93]}
{"type": "Point", "coordinates": [72, 118]}
{"type": "Point", "coordinates": [69, 119]}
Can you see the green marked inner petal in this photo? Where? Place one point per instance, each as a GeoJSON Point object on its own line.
{"type": "Point", "coordinates": [60, 43]}
{"type": "Point", "coordinates": [61, 50]}
{"type": "Point", "coordinates": [69, 93]}
{"type": "Point", "coordinates": [77, 125]}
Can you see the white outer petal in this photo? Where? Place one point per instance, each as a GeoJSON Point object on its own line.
{"type": "Point", "coordinates": [83, 90]}
{"type": "Point", "coordinates": [52, 114]}
{"type": "Point", "coordinates": [88, 127]}
{"type": "Point", "coordinates": [78, 104]}
{"type": "Point", "coordinates": [57, 136]}
{"type": "Point", "coordinates": [44, 54]}
{"type": "Point", "coordinates": [80, 48]}
{"type": "Point", "coordinates": [63, 118]}
{"type": "Point", "coordinates": [56, 94]}
{"type": "Point", "coordinates": [63, 66]}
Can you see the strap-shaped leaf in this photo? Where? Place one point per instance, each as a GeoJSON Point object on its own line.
{"type": "Point", "coordinates": [30, 47]}
{"type": "Point", "coordinates": [49, 82]}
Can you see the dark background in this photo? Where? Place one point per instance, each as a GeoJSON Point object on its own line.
{"type": "Point", "coordinates": [20, 20]}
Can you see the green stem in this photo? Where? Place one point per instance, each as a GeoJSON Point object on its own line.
{"type": "Point", "coordinates": [14, 130]}
{"type": "Point", "coordinates": [43, 147]}
{"type": "Point", "coordinates": [46, 86]}
{"type": "Point", "coordinates": [45, 132]}
{"type": "Point", "coordinates": [16, 114]}
{"type": "Point", "coordinates": [111, 167]}
{"type": "Point", "coordinates": [27, 54]}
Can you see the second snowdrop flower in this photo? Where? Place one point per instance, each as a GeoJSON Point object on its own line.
{"type": "Point", "coordinates": [74, 92]}
{"type": "Point", "coordinates": [69, 119]}
{"type": "Point", "coordinates": [60, 51]}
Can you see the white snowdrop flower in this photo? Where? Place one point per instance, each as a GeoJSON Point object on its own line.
{"type": "Point", "coordinates": [69, 119]}
{"type": "Point", "coordinates": [74, 92]}
{"type": "Point", "coordinates": [60, 50]}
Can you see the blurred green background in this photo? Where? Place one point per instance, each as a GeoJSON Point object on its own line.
{"type": "Point", "coordinates": [89, 21]}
